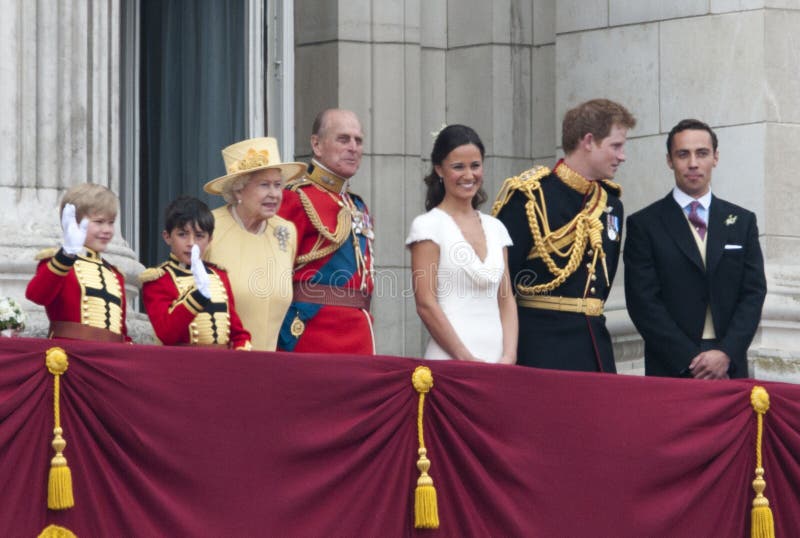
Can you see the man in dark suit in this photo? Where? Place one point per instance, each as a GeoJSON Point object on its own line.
{"type": "Point", "coordinates": [694, 273]}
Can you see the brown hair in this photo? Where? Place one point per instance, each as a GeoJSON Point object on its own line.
{"type": "Point", "coordinates": [90, 198]}
{"type": "Point", "coordinates": [597, 116]}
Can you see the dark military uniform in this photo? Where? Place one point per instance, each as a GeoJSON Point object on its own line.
{"type": "Point", "coordinates": [566, 232]}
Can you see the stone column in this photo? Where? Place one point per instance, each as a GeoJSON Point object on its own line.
{"type": "Point", "coordinates": [365, 56]}
{"type": "Point", "coordinates": [61, 79]}
{"type": "Point", "coordinates": [406, 68]}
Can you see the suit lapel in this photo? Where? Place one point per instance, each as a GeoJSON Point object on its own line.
{"type": "Point", "coordinates": [677, 227]}
{"type": "Point", "coordinates": [715, 240]}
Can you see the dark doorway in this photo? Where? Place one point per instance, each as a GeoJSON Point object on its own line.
{"type": "Point", "coordinates": [192, 103]}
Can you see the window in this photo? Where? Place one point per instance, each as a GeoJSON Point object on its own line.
{"type": "Point", "coordinates": [197, 75]}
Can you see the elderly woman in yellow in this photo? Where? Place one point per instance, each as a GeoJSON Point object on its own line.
{"type": "Point", "coordinates": [256, 246]}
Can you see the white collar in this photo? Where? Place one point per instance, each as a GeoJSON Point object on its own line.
{"type": "Point", "coordinates": [684, 199]}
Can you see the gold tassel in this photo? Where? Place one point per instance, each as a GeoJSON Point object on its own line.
{"type": "Point", "coordinates": [59, 485]}
{"type": "Point", "coordinates": [54, 531]}
{"type": "Point", "coordinates": [761, 522]}
{"type": "Point", "coordinates": [426, 510]}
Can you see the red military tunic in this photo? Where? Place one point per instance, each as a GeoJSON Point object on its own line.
{"type": "Point", "coordinates": [84, 295]}
{"type": "Point", "coordinates": [180, 314]}
{"type": "Point", "coordinates": [333, 277]}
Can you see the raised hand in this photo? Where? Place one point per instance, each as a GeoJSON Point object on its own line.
{"type": "Point", "coordinates": [73, 235]}
{"type": "Point", "coordinates": [201, 280]}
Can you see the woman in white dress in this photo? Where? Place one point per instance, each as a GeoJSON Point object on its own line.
{"type": "Point", "coordinates": [459, 259]}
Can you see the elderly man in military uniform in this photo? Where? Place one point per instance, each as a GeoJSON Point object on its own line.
{"type": "Point", "coordinates": [566, 226]}
{"type": "Point", "coordinates": [333, 277]}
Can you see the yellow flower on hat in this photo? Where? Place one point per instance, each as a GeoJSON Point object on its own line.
{"type": "Point", "coordinates": [252, 159]}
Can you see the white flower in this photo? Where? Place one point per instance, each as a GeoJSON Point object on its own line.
{"type": "Point", "coordinates": [11, 314]}
{"type": "Point", "coordinates": [435, 134]}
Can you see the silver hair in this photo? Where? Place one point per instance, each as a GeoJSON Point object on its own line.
{"type": "Point", "coordinates": [231, 188]}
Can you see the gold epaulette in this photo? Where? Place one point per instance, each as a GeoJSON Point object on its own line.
{"type": "Point", "coordinates": [527, 181]}
{"type": "Point", "coordinates": [46, 253]}
{"type": "Point", "coordinates": [150, 274]}
{"type": "Point", "coordinates": [296, 183]}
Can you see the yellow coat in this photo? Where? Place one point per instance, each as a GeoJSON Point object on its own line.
{"type": "Point", "coordinates": [260, 270]}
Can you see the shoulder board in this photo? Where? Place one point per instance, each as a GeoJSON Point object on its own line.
{"type": "Point", "coordinates": [296, 183]}
{"type": "Point", "coordinates": [610, 186]}
{"type": "Point", "coordinates": [527, 181]}
{"type": "Point", "coordinates": [151, 273]}
{"type": "Point", "coordinates": [46, 253]}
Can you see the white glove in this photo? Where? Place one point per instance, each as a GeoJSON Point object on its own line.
{"type": "Point", "coordinates": [74, 235]}
{"type": "Point", "coordinates": [201, 280]}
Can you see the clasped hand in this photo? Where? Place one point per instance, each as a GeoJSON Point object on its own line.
{"type": "Point", "coordinates": [711, 364]}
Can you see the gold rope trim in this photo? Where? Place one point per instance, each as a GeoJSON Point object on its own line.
{"type": "Point", "coordinates": [344, 225]}
{"type": "Point", "coordinates": [585, 228]}
{"type": "Point", "coordinates": [59, 484]}
{"type": "Point", "coordinates": [569, 241]}
{"type": "Point", "coordinates": [426, 511]}
{"type": "Point", "coordinates": [761, 522]}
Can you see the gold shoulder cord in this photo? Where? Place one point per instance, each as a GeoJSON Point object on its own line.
{"type": "Point", "coordinates": [569, 241]}
{"type": "Point", "coordinates": [348, 222]}
{"type": "Point", "coordinates": [343, 226]}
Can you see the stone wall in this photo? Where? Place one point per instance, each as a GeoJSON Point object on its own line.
{"type": "Point", "coordinates": [60, 84]}
{"type": "Point", "coordinates": [511, 68]}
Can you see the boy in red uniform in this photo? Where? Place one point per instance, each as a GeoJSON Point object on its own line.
{"type": "Point", "coordinates": [83, 295]}
{"type": "Point", "coordinates": [189, 303]}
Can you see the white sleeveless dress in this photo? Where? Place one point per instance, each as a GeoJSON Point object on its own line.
{"type": "Point", "coordinates": [467, 287]}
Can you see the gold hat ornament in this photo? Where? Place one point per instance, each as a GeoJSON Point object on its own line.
{"type": "Point", "coordinates": [250, 156]}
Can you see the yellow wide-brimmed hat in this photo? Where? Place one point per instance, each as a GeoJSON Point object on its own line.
{"type": "Point", "coordinates": [250, 156]}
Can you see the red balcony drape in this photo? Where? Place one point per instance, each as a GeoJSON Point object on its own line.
{"type": "Point", "coordinates": [201, 442]}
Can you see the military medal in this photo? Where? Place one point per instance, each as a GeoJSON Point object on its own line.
{"type": "Point", "coordinates": [612, 226]}
{"type": "Point", "coordinates": [358, 222]}
{"type": "Point", "coordinates": [297, 327]}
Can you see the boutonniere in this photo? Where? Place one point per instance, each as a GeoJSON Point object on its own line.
{"type": "Point", "coordinates": [730, 220]}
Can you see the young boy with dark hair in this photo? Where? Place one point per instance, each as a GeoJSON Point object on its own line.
{"type": "Point", "coordinates": [189, 302]}
{"type": "Point", "coordinates": [83, 294]}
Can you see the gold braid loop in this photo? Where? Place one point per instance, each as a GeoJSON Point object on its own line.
{"type": "Point", "coordinates": [343, 227]}
{"type": "Point", "coordinates": [541, 248]}
{"type": "Point", "coordinates": [596, 242]}
{"type": "Point", "coordinates": [569, 241]}
{"type": "Point", "coordinates": [343, 221]}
